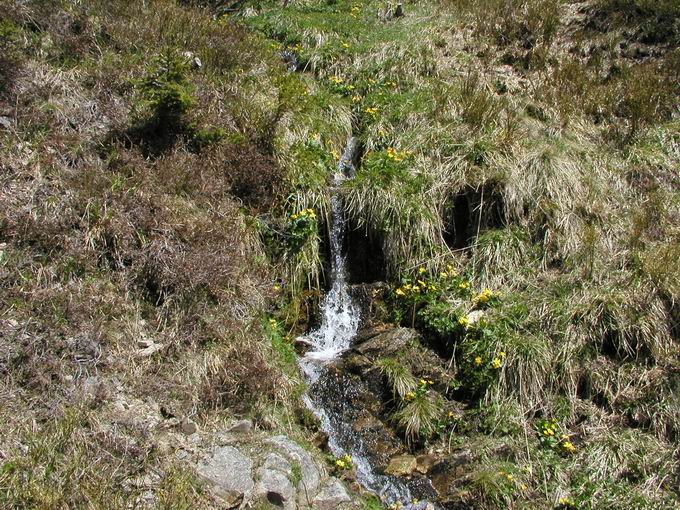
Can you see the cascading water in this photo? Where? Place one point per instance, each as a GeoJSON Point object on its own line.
{"type": "Point", "coordinates": [329, 391]}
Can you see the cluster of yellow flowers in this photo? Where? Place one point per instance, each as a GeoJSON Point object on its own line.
{"type": "Point", "coordinates": [423, 386]}
{"type": "Point", "coordinates": [549, 428]}
{"type": "Point", "coordinates": [373, 111]}
{"type": "Point", "coordinates": [485, 296]}
{"type": "Point", "coordinates": [336, 79]}
{"type": "Point", "coordinates": [496, 362]}
{"type": "Point", "coordinates": [417, 288]}
{"type": "Point", "coordinates": [354, 11]}
{"type": "Point", "coordinates": [305, 213]}
{"type": "Point", "coordinates": [566, 502]}
{"type": "Point", "coordinates": [567, 445]}
{"type": "Point", "coordinates": [398, 156]}
{"type": "Point", "coordinates": [508, 476]}
{"type": "Point", "coordinates": [464, 321]}
{"type": "Point", "coordinates": [344, 462]}
{"type": "Point", "coordinates": [356, 98]}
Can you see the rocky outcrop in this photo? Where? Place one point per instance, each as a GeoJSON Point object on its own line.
{"type": "Point", "coordinates": [274, 470]}
{"type": "Point", "coordinates": [230, 473]}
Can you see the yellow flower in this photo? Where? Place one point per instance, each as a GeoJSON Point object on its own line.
{"type": "Point", "coordinates": [345, 45]}
{"type": "Point", "coordinates": [340, 463]}
{"type": "Point", "coordinates": [443, 274]}
{"type": "Point", "coordinates": [423, 381]}
{"type": "Point", "coordinates": [421, 270]}
{"type": "Point", "coordinates": [408, 286]}
{"type": "Point", "coordinates": [509, 477]}
{"type": "Point", "coordinates": [356, 98]}
{"type": "Point", "coordinates": [464, 285]}
{"type": "Point", "coordinates": [464, 321]}
{"type": "Point", "coordinates": [430, 382]}
{"type": "Point", "coordinates": [422, 283]}
{"type": "Point", "coordinates": [409, 396]}
{"type": "Point", "coordinates": [569, 446]}
{"type": "Point", "coordinates": [277, 287]}
{"type": "Point", "coordinates": [478, 360]}
{"type": "Point", "coordinates": [502, 354]}
{"type": "Point", "coordinates": [496, 363]}
{"type": "Point", "coordinates": [400, 292]}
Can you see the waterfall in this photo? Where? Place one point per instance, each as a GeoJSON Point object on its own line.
{"type": "Point", "coordinates": [340, 319]}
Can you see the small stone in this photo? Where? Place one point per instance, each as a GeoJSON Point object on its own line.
{"type": "Point", "coordinates": [425, 463]}
{"type": "Point", "coordinates": [331, 496]}
{"type": "Point", "coordinates": [241, 427]}
{"type": "Point", "coordinates": [188, 427]}
{"type": "Point", "coordinates": [402, 465]}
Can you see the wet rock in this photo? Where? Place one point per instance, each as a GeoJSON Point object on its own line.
{"type": "Point", "coordinates": [425, 463]}
{"type": "Point", "coordinates": [402, 465]}
{"type": "Point", "coordinates": [230, 472]}
{"type": "Point", "coordinates": [310, 473]}
{"type": "Point", "coordinates": [331, 495]}
{"type": "Point", "coordinates": [448, 476]}
{"type": "Point", "coordinates": [241, 427]}
{"type": "Point", "coordinates": [388, 342]}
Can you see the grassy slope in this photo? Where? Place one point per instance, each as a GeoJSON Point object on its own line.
{"type": "Point", "coordinates": [549, 131]}
{"type": "Point", "coordinates": [116, 229]}
{"type": "Point", "coordinates": [137, 189]}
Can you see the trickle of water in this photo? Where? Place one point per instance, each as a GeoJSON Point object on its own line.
{"type": "Point", "coordinates": [339, 325]}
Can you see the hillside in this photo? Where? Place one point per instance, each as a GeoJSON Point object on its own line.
{"type": "Point", "coordinates": [513, 213]}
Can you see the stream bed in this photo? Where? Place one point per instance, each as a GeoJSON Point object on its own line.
{"type": "Point", "coordinates": [334, 396]}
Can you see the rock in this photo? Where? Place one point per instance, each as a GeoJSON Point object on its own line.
{"type": "Point", "coordinates": [402, 465]}
{"type": "Point", "coordinates": [310, 473]}
{"type": "Point", "coordinates": [241, 427]}
{"type": "Point", "coordinates": [331, 495]}
{"type": "Point", "coordinates": [230, 472]}
{"type": "Point", "coordinates": [147, 347]}
{"type": "Point", "coordinates": [276, 487]}
{"type": "Point", "coordinates": [278, 463]}
{"type": "Point", "coordinates": [6, 123]}
{"type": "Point", "coordinates": [387, 343]}
{"type": "Point", "coordinates": [192, 59]}
{"type": "Point", "coordinates": [188, 427]}
{"type": "Point", "coordinates": [425, 463]}
{"type": "Point", "coordinates": [475, 316]}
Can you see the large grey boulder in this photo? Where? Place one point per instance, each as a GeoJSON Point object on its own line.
{"type": "Point", "coordinates": [275, 482]}
{"type": "Point", "coordinates": [332, 495]}
{"type": "Point", "coordinates": [230, 472]}
{"type": "Point", "coordinates": [310, 474]}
